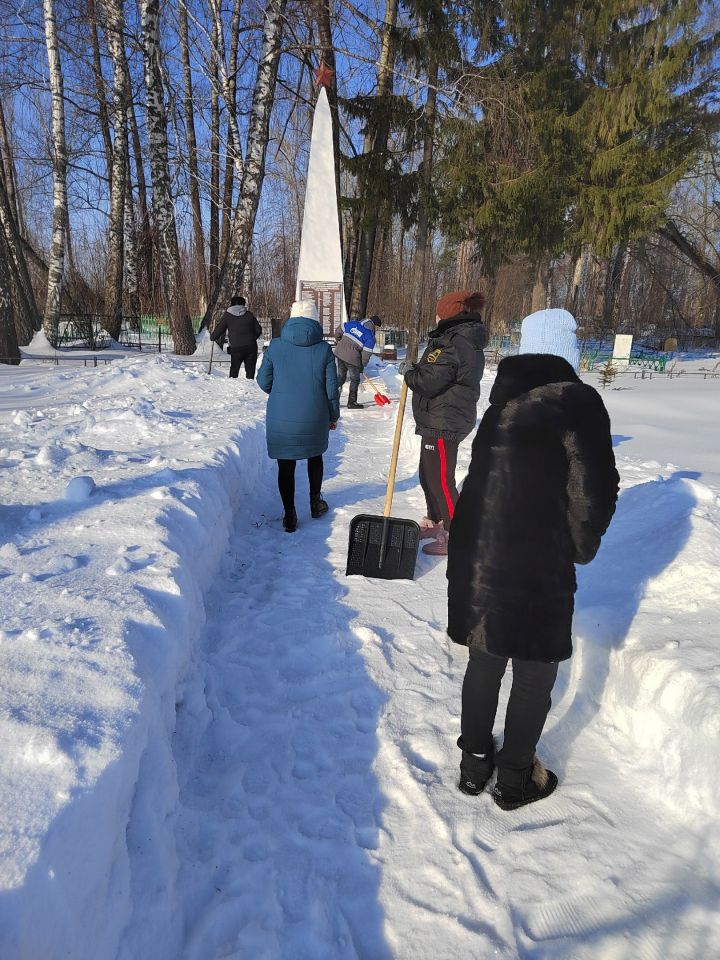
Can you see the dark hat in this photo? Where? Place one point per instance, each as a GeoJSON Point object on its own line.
{"type": "Point", "coordinates": [376, 320]}
{"type": "Point", "coordinates": [459, 301]}
{"type": "Point", "coordinates": [238, 301]}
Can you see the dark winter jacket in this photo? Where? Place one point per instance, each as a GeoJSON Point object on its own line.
{"type": "Point", "coordinates": [446, 381]}
{"type": "Point", "coordinates": [241, 326]}
{"type": "Point", "coordinates": [539, 496]}
{"type": "Point", "coordinates": [298, 371]}
{"type": "Point", "coordinates": [357, 343]}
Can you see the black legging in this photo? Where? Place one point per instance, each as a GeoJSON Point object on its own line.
{"type": "Point", "coordinates": [527, 707]}
{"type": "Point", "coordinates": [286, 479]}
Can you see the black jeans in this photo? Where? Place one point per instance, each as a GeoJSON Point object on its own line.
{"type": "Point", "coordinates": [347, 369]}
{"type": "Point", "coordinates": [247, 356]}
{"type": "Point", "coordinates": [438, 459]}
{"type": "Point", "coordinates": [527, 707]}
{"type": "Point", "coordinates": [286, 479]}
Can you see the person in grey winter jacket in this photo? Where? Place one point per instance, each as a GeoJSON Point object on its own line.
{"type": "Point", "coordinates": [446, 389]}
{"type": "Point", "coordinates": [353, 351]}
{"type": "Point", "coordinates": [539, 495]}
{"type": "Point", "coordinates": [243, 330]}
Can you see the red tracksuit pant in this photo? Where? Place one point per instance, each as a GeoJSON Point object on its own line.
{"type": "Point", "coordinates": [438, 459]}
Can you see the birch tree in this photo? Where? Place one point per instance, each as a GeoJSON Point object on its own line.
{"type": "Point", "coordinates": [233, 267]}
{"type": "Point", "coordinates": [27, 319]}
{"type": "Point", "coordinates": [115, 25]}
{"type": "Point", "coordinates": [56, 262]}
{"type": "Point", "coordinates": [9, 351]}
{"type": "Point", "coordinates": [131, 250]}
{"type": "Point", "coordinates": [214, 240]}
{"type": "Point", "coordinates": [189, 108]}
{"type": "Point", "coordinates": [162, 200]}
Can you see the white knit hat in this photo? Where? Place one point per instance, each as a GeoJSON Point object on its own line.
{"type": "Point", "coordinates": [304, 308]}
{"type": "Point", "coordinates": [551, 331]}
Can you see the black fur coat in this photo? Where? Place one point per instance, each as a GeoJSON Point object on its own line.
{"type": "Point", "coordinates": [539, 496]}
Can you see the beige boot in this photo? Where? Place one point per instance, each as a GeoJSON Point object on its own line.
{"type": "Point", "coordinates": [439, 546]}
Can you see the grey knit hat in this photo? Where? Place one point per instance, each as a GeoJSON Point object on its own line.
{"type": "Point", "coordinates": [551, 331]}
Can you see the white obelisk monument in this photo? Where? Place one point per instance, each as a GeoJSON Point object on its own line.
{"type": "Point", "coordinates": [320, 270]}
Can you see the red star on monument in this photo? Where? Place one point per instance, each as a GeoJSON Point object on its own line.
{"type": "Point", "coordinates": [323, 75]}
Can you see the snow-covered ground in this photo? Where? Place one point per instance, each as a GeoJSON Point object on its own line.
{"type": "Point", "coordinates": [215, 745]}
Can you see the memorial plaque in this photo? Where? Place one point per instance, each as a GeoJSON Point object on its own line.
{"type": "Point", "coordinates": [621, 350]}
{"type": "Point", "coordinates": [328, 297]}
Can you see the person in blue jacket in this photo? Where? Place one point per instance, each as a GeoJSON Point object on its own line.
{"type": "Point", "coordinates": [298, 371]}
{"type": "Point", "coordinates": [354, 349]}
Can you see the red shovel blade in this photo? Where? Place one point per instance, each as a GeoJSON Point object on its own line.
{"type": "Point", "coordinates": [381, 399]}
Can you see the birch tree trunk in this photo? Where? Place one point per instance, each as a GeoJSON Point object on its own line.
{"type": "Point", "coordinates": [233, 153]}
{"type": "Point", "coordinates": [56, 262]}
{"type": "Point", "coordinates": [27, 318]}
{"type": "Point", "coordinates": [198, 236]}
{"type": "Point", "coordinates": [9, 350]}
{"type": "Point", "coordinates": [7, 166]}
{"type": "Point", "coordinates": [214, 246]}
{"type": "Point", "coordinates": [115, 25]}
{"type": "Point", "coordinates": [144, 234]}
{"type": "Point", "coordinates": [423, 226]}
{"type": "Point", "coordinates": [162, 200]}
{"type": "Point", "coordinates": [233, 267]}
{"type": "Point", "coordinates": [100, 88]}
{"type": "Point", "coordinates": [131, 251]}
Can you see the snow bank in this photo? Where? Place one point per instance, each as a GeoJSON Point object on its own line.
{"type": "Point", "coordinates": [116, 505]}
{"type": "Point", "coordinates": [646, 656]}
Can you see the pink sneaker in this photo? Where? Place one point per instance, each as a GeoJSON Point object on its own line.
{"type": "Point", "coordinates": [439, 546]}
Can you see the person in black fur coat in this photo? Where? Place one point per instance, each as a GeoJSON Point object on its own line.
{"type": "Point", "coordinates": [539, 495]}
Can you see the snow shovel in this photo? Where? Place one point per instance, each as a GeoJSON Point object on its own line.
{"type": "Point", "coordinates": [380, 398]}
{"type": "Point", "coordinates": [212, 348]}
{"type": "Point", "coordinates": [385, 546]}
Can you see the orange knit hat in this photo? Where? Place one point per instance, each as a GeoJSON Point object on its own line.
{"type": "Point", "coordinates": [459, 301]}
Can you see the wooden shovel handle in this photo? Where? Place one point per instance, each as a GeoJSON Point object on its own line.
{"type": "Point", "coordinates": [395, 450]}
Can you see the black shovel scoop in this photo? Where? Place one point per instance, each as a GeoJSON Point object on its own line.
{"type": "Point", "coordinates": [385, 546]}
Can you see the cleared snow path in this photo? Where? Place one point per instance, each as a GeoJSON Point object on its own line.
{"type": "Point", "coordinates": [315, 744]}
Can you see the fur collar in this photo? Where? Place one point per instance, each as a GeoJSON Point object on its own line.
{"type": "Point", "coordinates": [527, 371]}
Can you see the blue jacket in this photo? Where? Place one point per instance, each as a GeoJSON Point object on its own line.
{"type": "Point", "coordinates": [298, 371]}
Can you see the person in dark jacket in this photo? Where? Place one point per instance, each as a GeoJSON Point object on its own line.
{"type": "Point", "coordinates": [353, 351]}
{"type": "Point", "coordinates": [446, 389]}
{"type": "Point", "coordinates": [243, 330]}
{"type": "Point", "coordinates": [298, 371]}
{"type": "Point", "coordinates": [539, 495]}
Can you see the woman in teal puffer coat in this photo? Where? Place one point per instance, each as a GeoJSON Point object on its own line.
{"type": "Point", "coordinates": [298, 371]}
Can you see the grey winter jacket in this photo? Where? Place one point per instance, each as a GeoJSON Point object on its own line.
{"type": "Point", "coordinates": [241, 326]}
{"type": "Point", "coordinates": [446, 380]}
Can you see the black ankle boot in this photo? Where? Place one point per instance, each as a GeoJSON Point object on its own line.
{"type": "Point", "coordinates": [318, 507]}
{"type": "Point", "coordinates": [515, 788]}
{"type": "Point", "coordinates": [290, 521]}
{"type": "Point", "coordinates": [475, 771]}
{"type": "Point", "coordinates": [352, 398]}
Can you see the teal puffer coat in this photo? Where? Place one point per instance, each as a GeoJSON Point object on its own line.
{"type": "Point", "coordinates": [298, 371]}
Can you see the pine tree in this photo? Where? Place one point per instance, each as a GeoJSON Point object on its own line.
{"type": "Point", "coordinates": [579, 127]}
{"type": "Point", "coordinates": [608, 372]}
